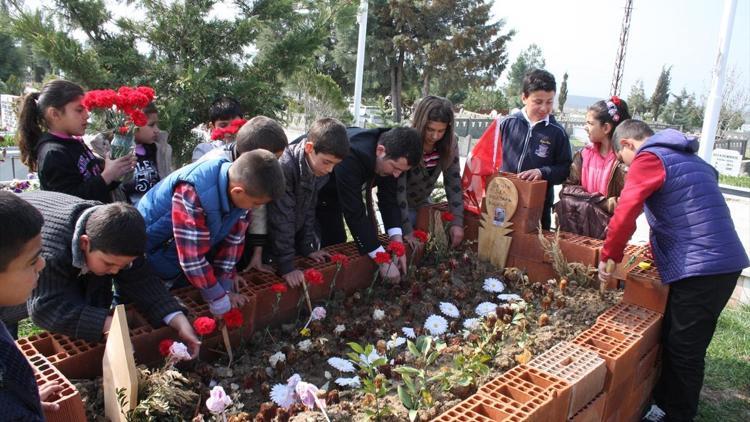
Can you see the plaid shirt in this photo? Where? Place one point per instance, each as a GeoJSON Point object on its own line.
{"type": "Point", "coordinates": [193, 242]}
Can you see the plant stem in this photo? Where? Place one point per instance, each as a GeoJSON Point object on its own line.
{"type": "Point", "coordinates": [333, 284]}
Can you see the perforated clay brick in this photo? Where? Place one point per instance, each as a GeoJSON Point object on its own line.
{"type": "Point", "coordinates": [639, 320]}
{"type": "Point", "coordinates": [617, 346]}
{"type": "Point", "coordinates": [593, 411]}
{"type": "Point", "coordinates": [481, 408]}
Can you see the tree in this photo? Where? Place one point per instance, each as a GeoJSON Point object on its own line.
{"type": "Point", "coordinates": [562, 97]}
{"type": "Point", "coordinates": [189, 58]}
{"type": "Point", "coordinates": [637, 99]}
{"type": "Point", "coordinates": [735, 100]}
{"type": "Point", "coordinates": [661, 92]}
{"type": "Point", "coordinates": [483, 100]}
{"type": "Point", "coordinates": [531, 58]}
{"type": "Point", "coordinates": [12, 60]}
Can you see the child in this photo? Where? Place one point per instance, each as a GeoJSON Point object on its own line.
{"type": "Point", "coordinates": [196, 219]}
{"type": "Point", "coordinates": [534, 145]}
{"type": "Point", "coordinates": [146, 173]}
{"type": "Point", "coordinates": [377, 158]}
{"type": "Point", "coordinates": [597, 175]}
{"type": "Point", "coordinates": [695, 246]}
{"type": "Point", "coordinates": [65, 164]}
{"type": "Point", "coordinates": [433, 118]}
{"type": "Point", "coordinates": [220, 115]}
{"type": "Point", "coordinates": [20, 264]}
{"type": "Point", "coordinates": [306, 164]}
{"type": "Point", "coordinates": [89, 247]}
{"type": "Point", "coordinates": [260, 132]}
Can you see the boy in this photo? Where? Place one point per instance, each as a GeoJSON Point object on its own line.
{"type": "Point", "coordinates": [534, 145]}
{"type": "Point", "coordinates": [260, 132]}
{"type": "Point", "coordinates": [196, 220]}
{"type": "Point", "coordinates": [377, 158]}
{"type": "Point", "coordinates": [306, 164]}
{"type": "Point", "coordinates": [220, 114]}
{"type": "Point", "coordinates": [88, 247]}
{"type": "Point", "coordinates": [20, 265]}
{"type": "Point", "coordinates": [695, 248]}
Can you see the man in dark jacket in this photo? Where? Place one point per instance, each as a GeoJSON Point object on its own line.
{"type": "Point", "coordinates": [306, 164]}
{"type": "Point", "coordinates": [534, 145]}
{"type": "Point", "coordinates": [88, 247]}
{"type": "Point", "coordinates": [376, 159]}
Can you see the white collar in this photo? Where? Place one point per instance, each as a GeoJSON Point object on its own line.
{"type": "Point", "coordinates": [525, 116]}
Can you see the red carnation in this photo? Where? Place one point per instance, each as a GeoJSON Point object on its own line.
{"type": "Point", "coordinates": [123, 130]}
{"type": "Point", "coordinates": [218, 133]}
{"type": "Point", "coordinates": [313, 276]}
{"type": "Point", "coordinates": [147, 91]}
{"type": "Point", "coordinates": [99, 98]}
{"type": "Point", "coordinates": [139, 118]}
{"type": "Point", "coordinates": [279, 288]}
{"type": "Point", "coordinates": [233, 318]}
{"type": "Point", "coordinates": [204, 325]}
{"type": "Point", "coordinates": [164, 346]}
{"type": "Point", "coordinates": [615, 100]}
{"type": "Point", "coordinates": [446, 216]}
{"type": "Point", "coordinates": [421, 235]}
{"type": "Point", "coordinates": [237, 123]}
{"type": "Point", "coordinates": [397, 248]}
{"type": "Point", "coordinates": [340, 259]}
{"type": "Point", "coordinates": [382, 258]}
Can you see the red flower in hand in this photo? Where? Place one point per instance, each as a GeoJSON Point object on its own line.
{"type": "Point", "coordinates": [204, 325]}
{"type": "Point", "coordinates": [279, 288]}
{"type": "Point", "coordinates": [446, 216]}
{"type": "Point", "coordinates": [421, 235]}
{"type": "Point", "coordinates": [397, 248]}
{"type": "Point", "coordinates": [164, 346]}
{"type": "Point", "coordinates": [382, 258]}
{"type": "Point", "coordinates": [218, 133]}
{"type": "Point", "coordinates": [123, 130]}
{"type": "Point", "coordinates": [233, 318]}
{"type": "Point", "coordinates": [313, 276]}
{"type": "Point", "coordinates": [139, 118]}
{"type": "Point", "coordinates": [340, 259]}
{"type": "Point", "coordinates": [147, 91]}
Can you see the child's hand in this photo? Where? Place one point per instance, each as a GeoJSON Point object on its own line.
{"type": "Point", "coordinates": [294, 278]}
{"type": "Point", "coordinates": [319, 256]}
{"type": "Point", "coordinates": [186, 333]}
{"type": "Point", "coordinates": [390, 272]}
{"type": "Point", "coordinates": [237, 300]}
{"type": "Point", "coordinates": [413, 242]}
{"type": "Point", "coordinates": [45, 391]}
{"type": "Point", "coordinates": [256, 262]}
{"type": "Point", "coordinates": [115, 169]}
{"type": "Point", "coordinates": [457, 235]}
{"type": "Point", "coordinates": [530, 175]}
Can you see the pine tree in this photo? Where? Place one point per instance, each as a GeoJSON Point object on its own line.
{"type": "Point", "coordinates": [529, 59]}
{"type": "Point", "coordinates": [637, 99]}
{"type": "Point", "coordinates": [661, 92]}
{"type": "Point", "coordinates": [562, 97]}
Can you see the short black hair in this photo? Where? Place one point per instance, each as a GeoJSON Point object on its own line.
{"type": "Point", "coordinates": [117, 229]}
{"type": "Point", "coordinates": [21, 223]}
{"type": "Point", "coordinates": [538, 80]}
{"type": "Point", "coordinates": [328, 136]}
{"type": "Point", "coordinates": [150, 109]}
{"type": "Point", "coordinates": [402, 142]}
{"type": "Point", "coordinates": [259, 173]}
{"type": "Point", "coordinates": [631, 129]}
{"type": "Point", "coordinates": [261, 132]}
{"type": "Point", "coordinates": [224, 108]}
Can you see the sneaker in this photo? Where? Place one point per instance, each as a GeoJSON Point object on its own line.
{"type": "Point", "coordinates": [654, 414]}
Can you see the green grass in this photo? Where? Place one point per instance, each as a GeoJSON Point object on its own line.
{"type": "Point", "coordinates": [726, 388]}
{"type": "Point", "coordinates": [739, 181]}
{"type": "Point", "coordinates": [27, 328]}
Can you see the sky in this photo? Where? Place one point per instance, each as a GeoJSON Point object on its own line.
{"type": "Point", "coordinates": [581, 37]}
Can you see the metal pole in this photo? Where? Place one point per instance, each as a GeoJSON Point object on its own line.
{"type": "Point", "coordinates": [362, 20]}
{"type": "Point", "coordinates": [713, 103]}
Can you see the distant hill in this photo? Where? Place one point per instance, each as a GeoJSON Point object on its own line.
{"type": "Point", "coordinates": [579, 102]}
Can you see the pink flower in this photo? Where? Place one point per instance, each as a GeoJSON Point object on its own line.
{"type": "Point", "coordinates": [308, 395]}
{"type": "Point", "coordinates": [218, 401]}
{"type": "Point", "coordinates": [318, 313]}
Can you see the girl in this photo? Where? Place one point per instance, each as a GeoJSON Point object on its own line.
{"type": "Point", "coordinates": [146, 173]}
{"type": "Point", "coordinates": [50, 128]}
{"type": "Point", "coordinates": [597, 175]}
{"type": "Point", "coordinates": [433, 119]}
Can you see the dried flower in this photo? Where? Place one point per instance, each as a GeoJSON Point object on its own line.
{"type": "Point", "coordinates": [204, 325]}
{"type": "Point", "coordinates": [471, 323]}
{"type": "Point", "coordinates": [409, 332]}
{"type": "Point", "coordinates": [421, 235]}
{"type": "Point", "coordinates": [485, 308]}
{"type": "Point", "coordinates": [279, 288]}
{"type": "Point", "coordinates": [493, 285]}
{"type": "Point", "coordinates": [436, 325]}
{"type": "Point", "coordinates": [308, 395]}
{"type": "Point", "coordinates": [318, 313]}
{"type": "Point", "coordinates": [276, 358]}
{"type": "Point", "coordinates": [339, 329]}
{"type": "Point", "coordinates": [508, 297]}
{"type": "Point", "coordinates": [395, 342]}
{"type": "Point", "coordinates": [378, 314]}
{"type": "Point", "coordinates": [396, 248]}
{"type": "Point", "coordinates": [348, 382]}
{"type": "Point", "coordinates": [382, 258]}
{"type": "Point", "coordinates": [313, 276]}
{"type": "Point", "coordinates": [449, 309]}
{"type": "Point", "coordinates": [233, 318]}
{"type": "Point", "coordinates": [304, 345]}
{"type": "Point", "coordinates": [218, 401]}
{"type": "Point", "coordinates": [164, 346]}
{"type": "Point", "coordinates": [305, 332]}
{"type": "Point", "coordinates": [343, 365]}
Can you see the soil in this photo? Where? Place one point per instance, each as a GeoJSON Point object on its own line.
{"type": "Point", "coordinates": [457, 279]}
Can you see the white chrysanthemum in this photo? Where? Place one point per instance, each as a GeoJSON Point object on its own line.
{"type": "Point", "coordinates": [471, 323]}
{"type": "Point", "coordinates": [493, 285]}
{"type": "Point", "coordinates": [276, 358]}
{"type": "Point", "coordinates": [396, 342]}
{"type": "Point", "coordinates": [519, 306]}
{"type": "Point", "coordinates": [485, 308]}
{"type": "Point", "coordinates": [436, 325]}
{"type": "Point", "coordinates": [372, 357]}
{"type": "Point", "coordinates": [339, 329]}
{"type": "Point", "coordinates": [508, 297]}
{"type": "Point", "coordinates": [304, 345]}
{"type": "Point", "coordinates": [378, 314]}
{"type": "Point", "coordinates": [409, 332]}
{"type": "Point", "coordinates": [343, 365]}
{"type": "Point", "coordinates": [449, 309]}
{"type": "Point", "coordinates": [348, 382]}
{"type": "Point", "coordinates": [283, 395]}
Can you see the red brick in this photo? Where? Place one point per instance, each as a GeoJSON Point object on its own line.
{"type": "Point", "coordinates": [530, 194]}
{"type": "Point", "coordinates": [642, 321]}
{"type": "Point", "coordinates": [583, 369]}
{"type": "Point", "coordinates": [617, 404]}
{"type": "Point", "coordinates": [69, 398]}
{"type": "Point", "coordinates": [618, 347]}
{"type": "Point", "coordinates": [527, 246]}
{"type": "Point", "coordinates": [266, 300]}
{"type": "Point", "coordinates": [593, 411]}
{"type": "Point", "coordinates": [526, 220]}
{"type": "Point", "coordinates": [481, 408]}
{"type": "Point", "coordinates": [647, 364]}
{"type": "Point", "coordinates": [644, 288]}
{"type": "Point", "coordinates": [536, 270]}
{"type": "Point", "coordinates": [635, 252]}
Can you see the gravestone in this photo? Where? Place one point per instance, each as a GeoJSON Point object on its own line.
{"type": "Point", "coordinates": [727, 162]}
{"type": "Point", "coordinates": [119, 372]}
{"type": "Point", "coordinates": [500, 203]}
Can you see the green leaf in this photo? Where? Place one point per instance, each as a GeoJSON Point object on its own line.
{"type": "Point", "coordinates": [412, 348]}
{"type": "Point", "coordinates": [406, 370]}
{"type": "Point", "coordinates": [405, 398]}
{"type": "Point", "coordinates": [356, 347]}
{"type": "Point", "coordinates": [413, 415]}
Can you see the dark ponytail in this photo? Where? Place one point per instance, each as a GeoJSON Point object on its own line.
{"type": "Point", "coordinates": [31, 123]}
{"type": "Point", "coordinates": [613, 111]}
